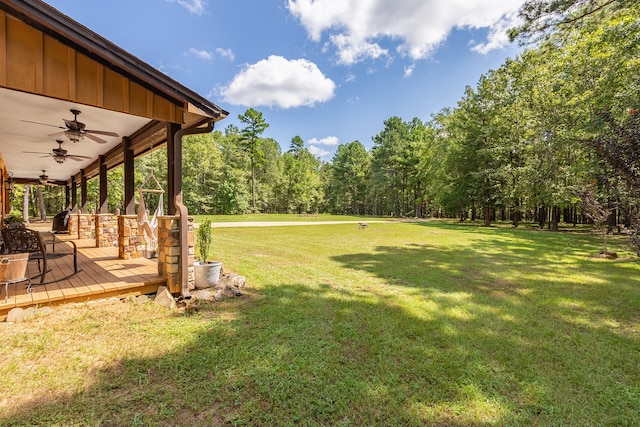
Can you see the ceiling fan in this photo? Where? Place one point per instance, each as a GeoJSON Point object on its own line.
{"type": "Point", "coordinates": [60, 154]}
{"type": "Point", "coordinates": [43, 179]}
{"type": "Point", "coordinates": [75, 130]}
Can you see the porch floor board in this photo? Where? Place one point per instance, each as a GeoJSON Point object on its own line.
{"type": "Point", "coordinates": [101, 275]}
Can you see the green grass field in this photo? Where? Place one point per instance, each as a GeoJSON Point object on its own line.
{"type": "Point", "coordinates": [398, 324]}
{"type": "Point", "coordinates": [283, 218]}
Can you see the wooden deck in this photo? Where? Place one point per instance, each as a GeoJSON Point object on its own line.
{"type": "Point", "coordinates": [102, 275]}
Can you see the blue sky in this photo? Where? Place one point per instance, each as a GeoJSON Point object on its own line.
{"type": "Point", "coordinates": [330, 71]}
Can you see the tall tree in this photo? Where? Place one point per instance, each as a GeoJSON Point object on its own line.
{"type": "Point", "coordinates": [351, 166]}
{"type": "Point", "coordinates": [391, 167]}
{"type": "Point", "coordinates": [234, 196]}
{"type": "Point", "coordinates": [303, 188]}
{"type": "Point", "coordinates": [542, 17]}
{"type": "Point", "coordinates": [202, 173]}
{"type": "Point", "coordinates": [252, 143]}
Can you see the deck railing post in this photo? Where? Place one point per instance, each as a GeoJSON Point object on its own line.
{"type": "Point", "coordinates": [170, 252]}
{"type": "Point", "coordinates": [129, 239]}
{"type": "Point", "coordinates": [106, 230]}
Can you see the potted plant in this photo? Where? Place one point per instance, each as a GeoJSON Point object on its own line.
{"type": "Point", "coordinates": [14, 217]}
{"type": "Point", "coordinates": [207, 272]}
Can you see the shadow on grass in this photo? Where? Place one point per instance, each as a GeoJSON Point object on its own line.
{"type": "Point", "coordinates": [456, 336]}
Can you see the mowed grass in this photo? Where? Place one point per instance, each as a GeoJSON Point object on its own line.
{"type": "Point", "coordinates": [397, 324]}
{"type": "Point", "coordinates": [285, 218]}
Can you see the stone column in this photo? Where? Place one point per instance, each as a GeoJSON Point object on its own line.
{"type": "Point", "coordinates": [106, 230]}
{"type": "Point", "coordinates": [73, 224]}
{"type": "Point", "coordinates": [169, 252]}
{"type": "Point", "coordinates": [85, 226]}
{"type": "Point", "coordinates": [129, 240]}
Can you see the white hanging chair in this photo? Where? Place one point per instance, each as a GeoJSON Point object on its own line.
{"type": "Point", "coordinates": [148, 228]}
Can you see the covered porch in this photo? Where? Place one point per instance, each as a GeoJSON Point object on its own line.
{"type": "Point", "coordinates": [74, 106]}
{"type": "Point", "coordinates": [102, 274]}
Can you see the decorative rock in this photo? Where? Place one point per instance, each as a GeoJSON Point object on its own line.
{"type": "Point", "coordinates": [18, 315]}
{"type": "Point", "coordinates": [235, 280]}
{"type": "Point", "coordinates": [15, 315]}
{"type": "Point", "coordinates": [219, 295]}
{"type": "Point", "coordinates": [141, 299]}
{"type": "Point", "coordinates": [164, 298]}
{"type": "Point", "coordinates": [232, 291]}
{"type": "Point", "coordinates": [45, 311]}
{"type": "Point", "coordinates": [204, 295]}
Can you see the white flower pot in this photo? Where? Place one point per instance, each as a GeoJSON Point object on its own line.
{"type": "Point", "coordinates": [207, 275]}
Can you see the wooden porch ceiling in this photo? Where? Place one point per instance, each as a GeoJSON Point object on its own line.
{"type": "Point", "coordinates": [50, 64]}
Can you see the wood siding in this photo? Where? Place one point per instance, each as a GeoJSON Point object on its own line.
{"type": "Point", "coordinates": [31, 61]}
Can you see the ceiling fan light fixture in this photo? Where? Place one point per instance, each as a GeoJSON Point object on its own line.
{"type": "Point", "coordinates": [59, 158]}
{"type": "Point", "coordinates": [9, 183]}
{"type": "Point", "coordinates": [74, 135]}
{"type": "Point", "coordinates": [43, 178]}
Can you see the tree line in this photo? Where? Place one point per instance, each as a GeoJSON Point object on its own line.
{"type": "Point", "coordinates": [523, 144]}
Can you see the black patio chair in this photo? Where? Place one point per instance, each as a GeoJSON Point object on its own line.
{"type": "Point", "coordinates": [24, 240]}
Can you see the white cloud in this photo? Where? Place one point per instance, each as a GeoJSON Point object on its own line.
{"type": "Point", "coordinates": [329, 140]}
{"type": "Point", "coordinates": [409, 70]}
{"type": "Point", "coordinates": [417, 27]}
{"type": "Point", "coordinates": [208, 56]}
{"type": "Point", "coordinates": [279, 82]}
{"type": "Point", "coordinates": [498, 36]}
{"type": "Point", "coordinates": [352, 50]}
{"type": "Point", "coordinates": [202, 54]}
{"type": "Point", "coordinates": [226, 53]}
{"type": "Point", "coordinates": [196, 7]}
{"type": "Point", "coordinates": [319, 152]}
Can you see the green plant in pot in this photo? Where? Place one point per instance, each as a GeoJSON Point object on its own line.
{"type": "Point", "coordinates": [14, 217]}
{"type": "Point", "coordinates": [206, 273]}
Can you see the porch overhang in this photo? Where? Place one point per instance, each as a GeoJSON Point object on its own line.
{"type": "Point", "coordinates": [51, 64]}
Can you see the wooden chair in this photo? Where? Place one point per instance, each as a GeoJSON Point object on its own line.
{"type": "Point", "coordinates": [24, 240]}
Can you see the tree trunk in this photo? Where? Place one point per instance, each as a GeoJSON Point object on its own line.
{"type": "Point", "coordinates": [487, 216]}
{"type": "Point", "coordinates": [542, 216]}
{"type": "Point", "coordinates": [555, 218]}
{"type": "Point", "coordinates": [25, 203]}
{"type": "Point", "coordinates": [253, 188]}
{"type": "Point", "coordinates": [516, 214]}
{"type": "Point", "coordinates": [43, 210]}
{"type": "Point", "coordinates": [613, 219]}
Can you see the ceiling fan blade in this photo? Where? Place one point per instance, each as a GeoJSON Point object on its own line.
{"type": "Point", "coordinates": [77, 158]}
{"type": "Point", "coordinates": [95, 138]}
{"type": "Point", "coordinates": [102, 132]}
{"type": "Point", "coordinates": [43, 124]}
{"type": "Point", "coordinates": [57, 134]}
{"type": "Point", "coordinates": [35, 152]}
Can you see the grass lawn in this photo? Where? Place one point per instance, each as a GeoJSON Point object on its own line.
{"type": "Point", "coordinates": [284, 218]}
{"type": "Point", "coordinates": [397, 324]}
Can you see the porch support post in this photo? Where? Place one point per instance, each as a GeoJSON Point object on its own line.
{"type": "Point", "coordinates": [67, 196]}
{"type": "Point", "coordinates": [83, 192]}
{"type": "Point", "coordinates": [74, 218]}
{"type": "Point", "coordinates": [174, 167]}
{"type": "Point", "coordinates": [74, 195]}
{"type": "Point", "coordinates": [186, 257]}
{"type": "Point", "coordinates": [129, 178]}
{"type": "Point", "coordinates": [104, 205]}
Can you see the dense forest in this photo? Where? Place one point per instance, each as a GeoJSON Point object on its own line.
{"type": "Point", "coordinates": [526, 143]}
